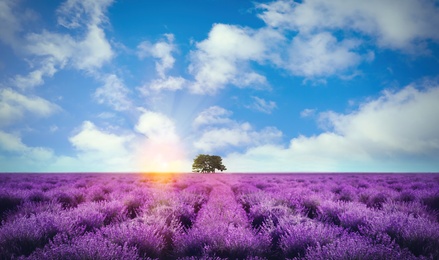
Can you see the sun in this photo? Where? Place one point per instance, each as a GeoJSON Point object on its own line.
{"type": "Point", "coordinates": [162, 156]}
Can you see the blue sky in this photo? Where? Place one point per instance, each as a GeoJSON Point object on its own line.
{"type": "Point", "coordinates": [278, 86]}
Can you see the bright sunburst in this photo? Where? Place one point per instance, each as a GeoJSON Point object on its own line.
{"type": "Point", "coordinates": [162, 156]}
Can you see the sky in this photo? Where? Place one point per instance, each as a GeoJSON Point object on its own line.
{"type": "Point", "coordinates": [270, 86]}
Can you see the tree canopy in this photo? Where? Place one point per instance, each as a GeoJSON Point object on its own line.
{"type": "Point", "coordinates": [208, 163]}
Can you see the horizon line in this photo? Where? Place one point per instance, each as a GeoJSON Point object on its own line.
{"type": "Point", "coordinates": [224, 173]}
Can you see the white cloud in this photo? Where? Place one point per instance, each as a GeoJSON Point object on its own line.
{"type": "Point", "coordinates": [91, 139]}
{"type": "Point", "coordinates": [152, 146]}
{"type": "Point", "coordinates": [14, 106]}
{"type": "Point", "coordinates": [35, 77]}
{"type": "Point", "coordinates": [398, 122]}
{"type": "Point", "coordinates": [263, 105]}
{"type": "Point", "coordinates": [97, 150]}
{"type": "Point", "coordinates": [232, 42]}
{"type": "Point", "coordinates": [113, 93]}
{"type": "Point", "coordinates": [214, 115]}
{"type": "Point", "coordinates": [56, 51]}
{"type": "Point", "coordinates": [394, 24]}
{"type": "Point", "coordinates": [20, 156]}
{"type": "Point", "coordinates": [77, 13]}
{"type": "Point", "coordinates": [279, 14]}
{"type": "Point", "coordinates": [223, 58]}
{"type": "Point", "coordinates": [217, 131]}
{"type": "Point", "coordinates": [312, 51]}
{"type": "Point", "coordinates": [14, 19]}
{"type": "Point", "coordinates": [321, 55]}
{"type": "Point", "coordinates": [93, 51]}
{"type": "Point", "coordinates": [169, 83]}
{"type": "Point", "coordinates": [217, 138]}
{"type": "Point", "coordinates": [88, 51]}
{"type": "Point", "coordinates": [161, 50]}
{"type": "Point", "coordinates": [307, 112]}
{"type": "Point", "coordinates": [398, 131]}
{"type": "Point", "coordinates": [58, 47]}
{"type": "Point", "coordinates": [11, 143]}
{"type": "Point", "coordinates": [160, 149]}
{"type": "Point", "coordinates": [156, 126]}
{"type": "Point", "coordinates": [9, 21]}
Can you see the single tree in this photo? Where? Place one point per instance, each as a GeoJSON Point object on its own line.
{"type": "Point", "coordinates": [208, 163]}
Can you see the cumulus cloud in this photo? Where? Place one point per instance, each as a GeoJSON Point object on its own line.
{"type": "Point", "coordinates": [88, 51]}
{"type": "Point", "coordinates": [263, 105]}
{"type": "Point", "coordinates": [11, 143]}
{"type": "Point", "coordinates": [97, 149]}
{"type": "Point", "coordinates": [310, 50]}
{"type": "Point", "coordinates": [58, 48]}
{"type": "Point", "coordinates": [219, 131]}
{"type": "Point", "coordinates": [394, 24]}
{"type": "Point", "coordinates": [301, 38]}
{"type": "Point", "coordinates": [397, 122]}
{"type": "Point", "coordinates": [153, 145]}
{"type": "Point", "coordinates": [20, 156]}
{"type": "Point", "coordinates": [161, 50]}
{"type": "Point", "coordinates": [214, 115]}
{"type": "Point", "coordinates": [321, 55]}
{"type": "Point", "coordinates": [93, 51]}
{"type": "Point", "coordinates": [397, 131]}
{"type": "Point", "coordinates": [113, 93]}
{"type": "Point", "coordinates": [223, 58]}
{"type": "Point", "coordinates": [14, 106]}
{"type": "Point", "coordinates": [56, 51]}
{"type": "Point", "coordinates": [91, 139]}
{"type": "Point", "coordinates": [161, 149]}
{"type": "Point", "coordinates": [155, 125]}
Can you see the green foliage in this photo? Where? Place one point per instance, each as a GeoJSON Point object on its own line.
{"type": "Point", "coordinates": [208, 163]}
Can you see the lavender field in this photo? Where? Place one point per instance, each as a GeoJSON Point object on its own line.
{"type": "Point", "coordinates": [219, 216]}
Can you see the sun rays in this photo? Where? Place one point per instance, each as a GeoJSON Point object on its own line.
{"type": "Point", "coordinates": [162, 155]}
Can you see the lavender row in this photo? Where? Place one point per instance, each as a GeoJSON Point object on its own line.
{"type": "Point", "coordinates": [393, 216]}
{"type": "Point", "coordinates": [188, 216]}
{"type": "Point", "coordinates": [126, 215]}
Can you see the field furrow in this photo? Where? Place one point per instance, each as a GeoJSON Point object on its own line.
{"type": "Point", "coordinates": [224, 216]}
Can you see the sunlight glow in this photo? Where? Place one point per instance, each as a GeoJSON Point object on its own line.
{"type": "Point", "coordinates": [162, 156]}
